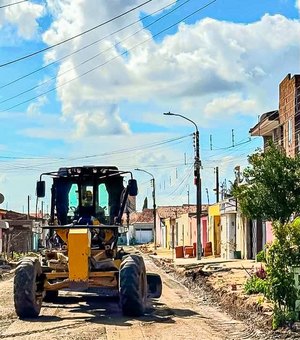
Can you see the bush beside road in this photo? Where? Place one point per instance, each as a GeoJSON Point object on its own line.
{"type": "Point", "coordinates": [224, 281]}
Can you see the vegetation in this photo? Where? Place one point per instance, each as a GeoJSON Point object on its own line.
{"type": "Point", "coordinates": [255, 285]}
{"type": "Point", "coordinates": [261, 256]}
{"type": "Point", "coordinates": [272, 192]}
{"type": "Point", "coordinates": [272, 188]}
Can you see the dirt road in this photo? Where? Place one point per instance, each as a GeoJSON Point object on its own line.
{"type": "Point", "coordinates": [176, 315]}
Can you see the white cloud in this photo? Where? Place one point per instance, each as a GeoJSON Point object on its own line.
{"type": "Point", "coordinates": [297, 4]}
{"type": "Point", "coordinates": [34, 108]}
{"type": "Point", "coordinates": [3, 178]}
{"type": "Point", "coordinates": [23, 17]}
{"type": "Point", "coordinates": [195, 68]}
{"type": "Point", "coordinates": [230, 105]}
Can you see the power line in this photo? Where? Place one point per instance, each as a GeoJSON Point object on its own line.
{"type": "Point", "coordinates": [109, 60]}
{"type": "Point", "coordinates": [89, 45]}
{"type": "Point", "coordinates": [116, 152]}
{"type": "Point", "coordinates": [95, 56]}
{"type": "Point", "coordinates": [73, 37]}
{"type": "Point", "coordinates": [12, 4]}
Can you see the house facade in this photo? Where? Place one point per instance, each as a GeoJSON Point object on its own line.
{"type": "Point", "coordinates": [178, 226]}
{"type": "Point", "coordinates": [283, 125]}
{"type": "Point", "coordinates": [3, 227]}
{"type": "Point", "coordinates": [214, 228]}
{"type": "Point", "coordinates": [175, 225]}
{"type": "Point", "coordinates": [141, 227]}
{"type": "Point", "coordinates": [228, 213]}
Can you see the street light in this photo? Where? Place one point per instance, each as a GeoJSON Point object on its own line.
{"type": "Point", "coordinates": [154, 204]}
{"type": "Point", "coordinates": [197, 165]}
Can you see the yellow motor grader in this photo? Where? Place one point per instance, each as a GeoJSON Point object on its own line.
{"type": "Point", "coordinates": [87, 207]}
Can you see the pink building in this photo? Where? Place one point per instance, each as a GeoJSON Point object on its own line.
{"type": "Point", "coordinates": [204, 236]}
{"type": "Point", "coordinates": [269, 233]}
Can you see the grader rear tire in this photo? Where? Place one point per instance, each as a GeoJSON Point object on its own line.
{"type": "Point", "coordinates": [28, 286]}
{"type": "Point", "coordinates": [133, 286]}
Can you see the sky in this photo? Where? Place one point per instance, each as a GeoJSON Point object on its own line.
{"type": "Point", "coordinates": [99, 97]}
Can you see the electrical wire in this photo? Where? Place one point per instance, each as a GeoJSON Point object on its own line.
{"type": "Point", "coordinates": [120, 151]}
{"type": "Point", "coordinates": [95, 56]}
{"type": "Point", "coordinates": [183, 181]}
{"type": "Point", "coordinates": [12, 4]}
{"type": "Point", "coordinates": [106, 62]}
{"type": "Point", "coordinates": [74, 36]}
{"type": "Point", "coordinates": [89, 45]}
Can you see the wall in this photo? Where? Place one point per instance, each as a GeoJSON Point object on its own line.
{"type": "Point", "coordinates": [158, 231]}
{"type": "Point", "coordinates": [20, 235]}
{"type": "Point", "coordinates": [184, 224]}
{"type": "Point", "coordinates": [214, 226]}
{"type": "Point", "coordinates": [228, 235]}
{"type": "Point", "coordinates": [241, 235]}
{"type": "Point", "coordinates": [269, 233]}
{"type": "Point", "coordinates": [168, 224]}
{"type": "Point", "coordinates": [289, 104]}
{"type": "Point", "coordinates": [143, 232]}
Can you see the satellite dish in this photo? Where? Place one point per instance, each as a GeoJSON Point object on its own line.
{"type": "Point", "coordinates": [1, 198]}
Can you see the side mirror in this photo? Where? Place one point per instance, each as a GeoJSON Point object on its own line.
{"type": "Point", "coordinates": [40, 188]}
{"type": "Point", "coordinates": [132, 187]}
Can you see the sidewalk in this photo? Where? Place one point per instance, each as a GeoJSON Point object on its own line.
{"type": "Point", "coordinates": [224, 279]}
{"type": "Point", "coordinates": [169, 254]}
{"type": "Point", "coordinates": [223, 273]}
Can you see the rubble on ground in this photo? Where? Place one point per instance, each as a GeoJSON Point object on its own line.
{"type": "Point", "coordinates": [6, 269]}
{"type": "Point", "coordinates": [224, 286]}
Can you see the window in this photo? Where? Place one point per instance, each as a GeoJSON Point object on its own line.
{"type": "Point", "coordinates": [102, 204]}
{"type": "Point", "coordinates": [73, 202]}
{"type": "Point", "coordinates": [290, 131]}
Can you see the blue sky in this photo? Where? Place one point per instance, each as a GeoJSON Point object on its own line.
{"type": "Point", "coordinates": [220, 67]}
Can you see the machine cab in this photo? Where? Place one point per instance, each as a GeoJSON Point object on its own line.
{"type": "Point", "coordinates": [88, 195]}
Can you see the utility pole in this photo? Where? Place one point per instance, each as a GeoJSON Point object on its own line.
{"type": "Point", "coordinates": [42, 212]}
{"type": "Point", "coordinates": [154, 204]}
{"type": "Point", "coordinates": [217, 184]}
{"type": "Point", "coordinates": [154, 211]}
{"type": "Point", "coordinates": [197, 180]}
{"type": "Point", "coordinates": [198, 190]}
{"type": "Point", "coordinates": [207, 195]}
{"type": "Point", "coordinates": [28, 207]}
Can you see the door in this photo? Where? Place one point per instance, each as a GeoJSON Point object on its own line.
{"type": "Point", "coordinates": [144, 235]}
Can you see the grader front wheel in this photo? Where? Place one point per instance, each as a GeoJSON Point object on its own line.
{"type": "Point", "coordinates": [28, 288]}
{"type": "Point", "coordinates": [133, 286]}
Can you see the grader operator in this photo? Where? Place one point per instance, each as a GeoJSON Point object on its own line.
{"type": "Point", "coordinates": [87, 207]}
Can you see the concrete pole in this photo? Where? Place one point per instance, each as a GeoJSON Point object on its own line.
{"type": "Point", "coordinates": [197, 176]}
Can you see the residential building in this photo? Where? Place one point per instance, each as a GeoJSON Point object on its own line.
{"type": "Point", "coordinates": [169, 230]}
{"type": "Point", "coordinates": [228, 212]}
{"type": "Point", "coordinates": [214, 228]}
{"type": "Point", "coordinates": [3, 227]}
{"type": "Point", "coordinates": [141, 226]}
{"type": "Point", "coordinates": [283, 125]}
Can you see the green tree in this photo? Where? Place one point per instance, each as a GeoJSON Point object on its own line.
{"type": "Point", "coordinates": [272, 192]}
{"type": "Point", "coordinates": [145, 205]}
{"type": "Point", "coordinates": [272, 188]}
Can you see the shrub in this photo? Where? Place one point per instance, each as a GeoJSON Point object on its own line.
{"type": "Point", "coordinates": [261, 256]}
{"type": "Point", "coordinates": [255, 285]}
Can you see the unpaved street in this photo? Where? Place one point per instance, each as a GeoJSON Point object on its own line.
{"type": "Point", "coordinates": [176, 315]}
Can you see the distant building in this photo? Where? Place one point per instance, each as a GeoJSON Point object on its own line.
{"type": "Point", "coordinates": [283, 125]}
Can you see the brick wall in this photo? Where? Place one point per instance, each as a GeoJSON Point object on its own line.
{"type": "Point", "coordinates": [288, 94]}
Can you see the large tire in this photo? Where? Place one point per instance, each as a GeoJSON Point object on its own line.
{"type": "Point", "coordinates": [28, 288]}
{"type": "Point", "coordinates": [133, 286]}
